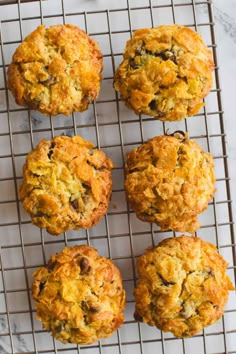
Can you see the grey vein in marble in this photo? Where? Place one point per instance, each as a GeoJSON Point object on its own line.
{"type": "Point", "coordinates": [225, 20]}
{"type": "Point", "coordinates": [228, 23]}
{"type": "Point", "coordinates": [19, 342]}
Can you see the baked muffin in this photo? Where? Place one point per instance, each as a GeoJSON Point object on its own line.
{"type": "Point", "coordinates": [66, 184]}
{"type": "Point", "coordinates": [182, 286]}
{"type": "Point", "coordinates": [56, 70]}
{"type": "Point", "coordinates": [169, 181]}
{"type": "Point", "coordinates": [79, 295]}
{"type": "Point", "coordinates": [165, 72]}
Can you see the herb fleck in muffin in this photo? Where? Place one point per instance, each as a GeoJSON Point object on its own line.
{"type": "Point", "coordinates": [56, 70]}
{"type": "Point", "coordinates": [169, 181]}
{"type": "Point", "coordinates": [165, 73]}
{"type": "Point", "coordinates": [79, 296]}
{"type": "Point", "coordinates": [182, 286]}
{"type": "Point", "coordinates": [66, 184]}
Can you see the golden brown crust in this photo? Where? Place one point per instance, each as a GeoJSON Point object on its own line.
{"type": "Point", "coordinates": [56, 70]}
{"type": "Point", "coordinates": [165, 73]}
{"type": "Point", "coordinates": [182, 286]}
{"type": "Point", "coordinates": [66, 184]}
{"type": "Point", "coordinates": [79, 295]}
{"type": "Point", "coordinates": [169, 181]}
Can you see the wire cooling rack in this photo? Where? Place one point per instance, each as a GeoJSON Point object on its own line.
{"type": "Point", "coordinates": [116, 130]}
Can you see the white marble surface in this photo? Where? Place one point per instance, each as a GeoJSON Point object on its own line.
{"type": "Point", "coordinates": [14, 260]}
{"type": "Point", "coordinates": [225, 19]}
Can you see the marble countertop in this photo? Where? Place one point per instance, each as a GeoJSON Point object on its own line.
{"type": "Point", "coordinates": [225, 20]}
{"type": "Point", "coordinates": [20, 255]}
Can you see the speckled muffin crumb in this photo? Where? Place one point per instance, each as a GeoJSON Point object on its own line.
{"type": "Point", "coordinates": [165, 73]}
{"type": "Point", "coordinates": [56, 70]}
{"type": "Point", "coordinates": [79, 296]}
{"type": "Point", "coordinates": [66, 184]}
{"type": "Point", "coordinates": [182, 286]}
{"type": "Point", "coordinates": [169, 181]}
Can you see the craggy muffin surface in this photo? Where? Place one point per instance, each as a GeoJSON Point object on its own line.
{"type": "Point", "coordinates": [79, 295]}
{"type": "Point", "coordinates": [66, 184]}
{"type": "Point", "coordinates": [56, 70]}
{"type": "Point", "coordinates": [165, 72]}
{"type": "Point", "coordinates": [169, 181]}
{"type": "Point", "coordinates": [182, 286]}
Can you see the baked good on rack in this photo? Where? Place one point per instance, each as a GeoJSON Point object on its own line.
{"type": "Point", "coordinates": [169, 181]}
{"type": "Point", "coordinates": [79, 296]}
{"type": "Point", "coordinates": [66, 184]}
{"type": "Point", "coordinates": [182, 286]}
{"type": "Point", "coordinates": [56, 70]}
{"type": "Point", "coordinates": [165, 73]}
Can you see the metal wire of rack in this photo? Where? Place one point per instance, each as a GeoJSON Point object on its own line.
{"type": "Point", "coordinates": [115, 129]}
